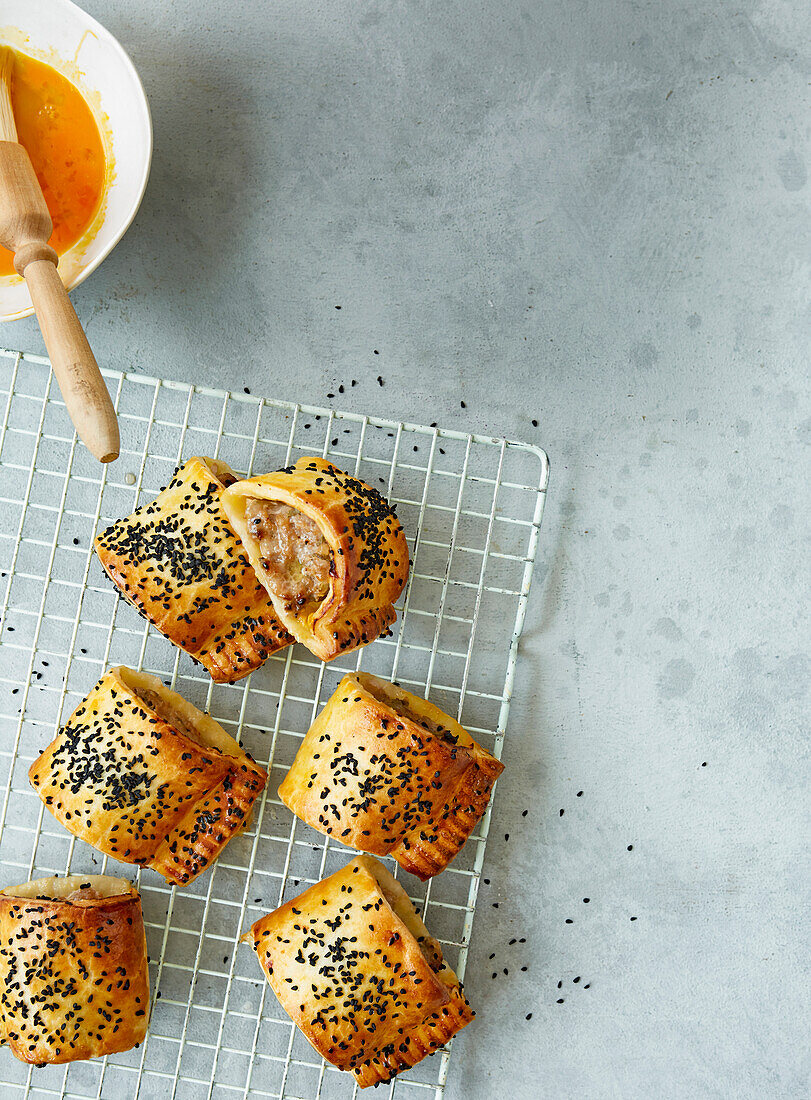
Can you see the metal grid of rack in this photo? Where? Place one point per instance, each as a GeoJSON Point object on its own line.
{"type": "Point", "coordinates": [471, 507]}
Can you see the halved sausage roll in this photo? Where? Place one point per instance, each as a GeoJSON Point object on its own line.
{"type": "Point", "coordinates": [146, 777]}
{"type": "Point", "coordinates": [357, 971]}
{"type": "Point", "coordinates": [73, 968]}
{"type": "Point", "coordinates": [386, 772]}
{"type": "Point", "coordinates": [327, 547]}
{"type": "Point", "coordinates": [179, 563]}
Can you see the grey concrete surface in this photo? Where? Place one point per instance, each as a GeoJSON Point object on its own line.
{"type": "Point", "coordinates": [593, 215]}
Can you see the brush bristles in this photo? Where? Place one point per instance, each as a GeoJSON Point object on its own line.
{"type": "Point", "coordinates": [8, 127]}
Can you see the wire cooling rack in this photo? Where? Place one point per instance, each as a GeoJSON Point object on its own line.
{"type": "Point", "coordinates": [471, 508]}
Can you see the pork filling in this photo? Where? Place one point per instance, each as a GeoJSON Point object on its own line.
{"type": "Point", "coordinates": [401, 706]}
{"type": "Point", "coordinates": [84, 893]}
{"type": "Point", "coordinates": [294, 555]}
{"type": "Point", "coordinates": [168, 713]}
{"type": "Point", "coordinates": [395, 902]}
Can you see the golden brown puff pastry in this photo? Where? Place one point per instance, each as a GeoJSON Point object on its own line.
{"type": "Point", "coordinates": [73, 968]}
{"type": "Point", "coordinates": [357, 971]}
{"type": "Point", "coordinates": [328, 548]}
{"type": "Point", "coordinates": [180, 564]}
{"type": "Point", "coordinates": [384, 771]}
{"type": "Point", "coordinates": [146, 777]}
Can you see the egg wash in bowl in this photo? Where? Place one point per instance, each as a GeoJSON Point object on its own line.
{"type": "Point", "coordinates": [88, 69]}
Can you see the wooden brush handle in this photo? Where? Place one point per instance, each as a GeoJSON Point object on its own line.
{"type": "Point", "coordinates": [25, 226]}
{"type": "Point", "coordinates": [77, 372]}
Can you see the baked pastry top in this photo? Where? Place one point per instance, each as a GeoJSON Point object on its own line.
{"type": "Point", "coordinates": [387, 772]}
{"type": "Point", "coordinates": [357, 971]}
{"type": "Point", "coordinates": [144, 776]}
{"type": "Point", "coordinates": [74, 981]}
{"type": "Point", "coordinates": [180, 564]}
{"type": "Point", "coordinates": [328, 548]}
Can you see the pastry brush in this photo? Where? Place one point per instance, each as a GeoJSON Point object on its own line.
{"type": "Point", "coordinates": [25, 228]}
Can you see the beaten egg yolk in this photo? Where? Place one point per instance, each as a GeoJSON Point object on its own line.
{"type": "Point", "coordinates": [59, 132]}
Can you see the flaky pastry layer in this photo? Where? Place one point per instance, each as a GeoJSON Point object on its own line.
{"type": "Point", "coordinates": [387, 772]}
{"type": "Point", "coordinates": [178, 561]}
{"type": "Point", "coordinates": [357, 971]}
{"type": "Point", "coordinates": [74, 982]}
{"type": "Point", "coordinates": [144, 776]}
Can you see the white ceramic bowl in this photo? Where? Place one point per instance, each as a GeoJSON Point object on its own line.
{"type": "Point", "coordinates": [59, 33]}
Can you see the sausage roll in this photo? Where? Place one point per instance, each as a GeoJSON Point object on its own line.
{"type": "Point", "coordinates": [386, 772]}
{"type": "Point", "coordinates": [73, 968]}
{"type": "Point", "coordinates": [328, 548]}
{"type": "Point", "coordinates": [147, 778]}
{"type": "Point", "coordinates": [179, 563]}
{"type": "Point", "coordinates": [356, 970]}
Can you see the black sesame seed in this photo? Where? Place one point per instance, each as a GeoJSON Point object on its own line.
{"type": "Point", "coordinates": [529, 1015]}
{"type": "Point", "coordinates": [630, 847]}
{"type": "Point", "coordinates": [586, 900]}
